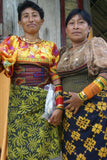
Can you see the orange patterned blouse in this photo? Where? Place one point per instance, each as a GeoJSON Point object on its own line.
{"type": "Point", "coordinates": [27, 63]}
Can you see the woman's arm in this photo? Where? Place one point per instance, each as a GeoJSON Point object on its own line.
{"type": "Point", "coordinates": [56, 117]}
{"type": "Point", "coordinates": [94, 88]}
{"type": "Point", "coordinates": [77, 99]}
{"type": "Point", "coordinates": [1, 65]}
{"type": "Point", "coordinates": [8, 53]}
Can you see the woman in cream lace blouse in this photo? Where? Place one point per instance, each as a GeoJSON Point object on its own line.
{"type": "Point", "coordinates": [83, 69]}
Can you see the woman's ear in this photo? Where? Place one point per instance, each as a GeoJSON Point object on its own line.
{"type": "Point", "coordinates": [90, 29]}
{"type": "Point", "coordinates": [42, 21]}
{"type": "Point", "coordinates": [20, 24]}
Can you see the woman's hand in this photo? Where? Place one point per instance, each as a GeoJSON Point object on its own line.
{"type": "Point", "coordinates": [74, 102]}
{"type": "Point", "coordinates": [56, 117]}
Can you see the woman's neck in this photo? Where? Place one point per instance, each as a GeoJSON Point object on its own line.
{"type": "Point", "coordinates": [75, 44]}
{"type": "Point", "coordinates": [30, 37]}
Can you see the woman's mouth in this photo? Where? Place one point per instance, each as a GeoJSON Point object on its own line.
{"type": "Point", "coordinates": [31, 25]}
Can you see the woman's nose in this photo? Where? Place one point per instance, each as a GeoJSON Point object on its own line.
{"type": "Point", "coordinates": [75, 25]}
{"type": "Point", "coordinates": [31, 18]}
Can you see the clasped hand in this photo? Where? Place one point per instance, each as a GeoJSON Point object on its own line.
{"type": "Point", "coordinates": [74, 103]}
{"type": "Point", "coordinates": [56, 117]}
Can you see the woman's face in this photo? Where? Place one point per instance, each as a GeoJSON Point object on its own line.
{"type": "Point", "coordinates": [30, 21]}
{"type": "Point", "coordinates": [77, 29]}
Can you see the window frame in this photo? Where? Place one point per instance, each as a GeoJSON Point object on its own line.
{"type": "Point", "coordinates": [63, 34]}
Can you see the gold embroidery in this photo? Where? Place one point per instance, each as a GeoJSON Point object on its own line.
{"type": "Point", "coordinates": [101, 114]}
{"type": "Point", "coordinates": [75, 135]}
{"type": "Point", "coordinates": [81, 157]}
{"type": "Point", "coordinates": [105, 136]}
{"type": "Point", "coordinates": [90, 107]}
{"type": "Point", "coordinates": [102, 106]}
{"type": "Point", "coordinates": [68, 114]}
{"type": "Point", "coordinates": [65, 125]}
{"type": "Point", "coordinates": [82, 122]}
{"type": "Point", "coordinates": [89, 144]}
{"type": "Point", "coordinates": [64, 157]}
{"type": "Point", "coordinates": [103, 152]}
{"type": "Point", "coordinates": [103, 93]}
{"type": "Point", "coordinates": [69, 147]}
{"type": "Point", "coordinates": [97, 128]}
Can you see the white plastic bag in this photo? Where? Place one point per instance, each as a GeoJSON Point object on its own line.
{"type": "Point", "coordinates": [50, 103]}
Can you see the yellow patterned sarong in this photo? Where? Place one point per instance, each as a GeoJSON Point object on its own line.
{"type": "Point", "coordinates": [85, 133]}
{"type": "Point", "coordinates": [30, 137]}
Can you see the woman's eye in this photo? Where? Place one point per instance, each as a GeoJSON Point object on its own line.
{"type": "Point", "coordinates": [81, 22]}
{"type": "Point", "coordinates": [25, 16]}
{"type": "Point", "coordinates": [34, 15]}
{"type": "Point", "coordinates": [71, 22]}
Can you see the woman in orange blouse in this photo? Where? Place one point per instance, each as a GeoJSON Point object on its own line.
{"type": "Point", "coordinates": [31, 63]}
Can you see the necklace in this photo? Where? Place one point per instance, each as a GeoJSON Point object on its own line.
{"type": "Point", "coordinates": [77, 49]}
{"type": "Point", "coordinates": [38, 40]}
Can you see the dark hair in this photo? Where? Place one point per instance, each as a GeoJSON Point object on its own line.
{"type": "Point", "coordinates": [26, 4]}
{"type": "Point", "coordinates": [84, 14]}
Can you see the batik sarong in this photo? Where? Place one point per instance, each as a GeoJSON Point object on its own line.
{"type": "Point", "coordinates": [85, 133]}
{"type": "Point", "coordinates": [30, 137]}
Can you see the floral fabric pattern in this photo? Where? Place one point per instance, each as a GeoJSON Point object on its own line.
{"type": "Point", "coordinates": [30, 137]}
{"type": "Point", "coordinates": [85, 134]}
{"type": "Point", "coordinates": [14, 50]}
